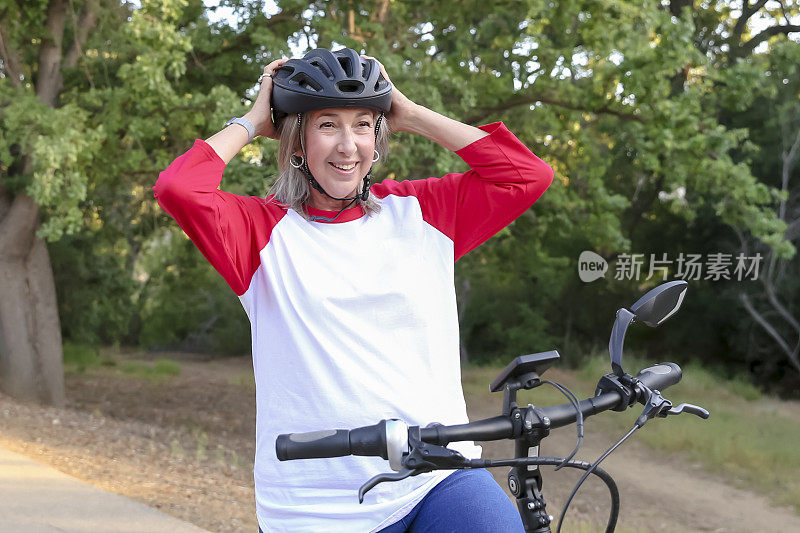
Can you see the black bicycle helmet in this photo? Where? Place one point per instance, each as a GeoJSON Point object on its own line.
{"type": "Point", "coordinates": [323, 79]}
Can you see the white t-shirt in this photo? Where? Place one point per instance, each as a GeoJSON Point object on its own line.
{"type": "Point", "coordinates": [354, 321]}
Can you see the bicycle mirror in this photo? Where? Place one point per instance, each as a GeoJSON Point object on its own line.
{"type": "Point", "coordinates": [660, 303]}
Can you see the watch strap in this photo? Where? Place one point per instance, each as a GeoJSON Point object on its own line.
{"type": "Point", "coordinates": [246, 124]}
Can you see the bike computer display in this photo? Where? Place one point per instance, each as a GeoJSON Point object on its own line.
{"type": "Point", "coordinates": [535, 363]}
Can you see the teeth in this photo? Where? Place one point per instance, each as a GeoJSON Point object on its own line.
{"type": "Point", "coordinates": [344, 167]}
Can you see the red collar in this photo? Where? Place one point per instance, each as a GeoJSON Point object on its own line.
{"type": "Point", "coordinates": [348, 215]}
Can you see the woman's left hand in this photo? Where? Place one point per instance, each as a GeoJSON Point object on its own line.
{"type": "Point", "coordinates": [405, 115]}
{"type": "Point", "coordinates": [400, 116]}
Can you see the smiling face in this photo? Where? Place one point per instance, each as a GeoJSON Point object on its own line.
{"type": "Point", "coordinates": [339, 145]}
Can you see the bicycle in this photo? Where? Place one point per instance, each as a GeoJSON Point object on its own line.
{"type": "Point", "coordinates": [412, 450]}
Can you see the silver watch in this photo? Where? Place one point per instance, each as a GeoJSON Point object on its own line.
{"type": "Point", "coordinates": [246, 124]}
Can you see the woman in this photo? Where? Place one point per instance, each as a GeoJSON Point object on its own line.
{"type": "Point", "coordinates": [349, 289]}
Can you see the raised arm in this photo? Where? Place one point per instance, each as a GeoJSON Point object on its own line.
{"type": "Point", "coordinates": [229, 141]}
{"type": "Point", "coordinates": [407, 116]}
{"type": "Point", "coordinates": [228, 229]}
{"type": "Point", "coordinates": [505, 179]}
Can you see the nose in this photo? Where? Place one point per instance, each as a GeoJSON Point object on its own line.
{"type": "Point", "coordinates": [347, 142]}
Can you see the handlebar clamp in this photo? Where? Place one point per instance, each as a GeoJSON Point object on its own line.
{"type": "Point", "coordinates": [425, 457]}
{"type": "Point", "coordinates": [535, 423]}
{"type": "Point", "coordinates": [624, 385]}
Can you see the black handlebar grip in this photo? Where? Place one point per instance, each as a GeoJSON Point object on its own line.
{"type": "Point", "coordinates": [368, 440]}
{"type": "Point", "coordinates": [660, 376]}
{"type": "Point", "coordinates": [327, 443]}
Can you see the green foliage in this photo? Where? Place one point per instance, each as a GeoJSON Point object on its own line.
{"type": "Point", "coordinates": [186, 304]}
{"type": "Point", "coordinates": [664, 132]}
{"type": "Point", "coordinates": [60, 145]}
{"type": "Point", "coordinates": [94, 288]}
{"type": "Point", "coordinates": [502, 318]}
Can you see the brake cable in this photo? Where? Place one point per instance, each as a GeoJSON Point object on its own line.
{"type": "Point", "coordinates": [572, 463]}
{"type": "Point", "coordinates": [655, 405]}
{"type": "Point", "coordinates": [591, 470]}
{"type": "Point", "coordinates": [578, 421]}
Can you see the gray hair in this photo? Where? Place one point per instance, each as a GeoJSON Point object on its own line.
{"type": "Point", "coordinates": [292, 188]}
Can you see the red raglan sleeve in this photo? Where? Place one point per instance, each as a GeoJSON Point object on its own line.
{"type": "Point", "coordinates": [228, 229]}
{"type": "Point", "coordinates": [504, 180]}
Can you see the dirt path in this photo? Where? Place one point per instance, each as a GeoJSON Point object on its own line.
{"type": "Point", "coordinates": [657, 493]}
{"type": "Point", "coordinates": [185, 446]}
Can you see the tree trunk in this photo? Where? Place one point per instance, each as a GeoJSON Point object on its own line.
{"type": "Point", "coordinates": [31, 357]}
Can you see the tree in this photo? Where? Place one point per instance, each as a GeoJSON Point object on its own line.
{"type": "Point", "coordinates": [629, 102]}
{"type": "Point", "coordinates": [772, 306]}
{"type": "Point", "coordinates": [755, 80]}
{"type": "Point", "coordinates": [102, 101]}
{"type": "Point", "coordinates": [44, 145]}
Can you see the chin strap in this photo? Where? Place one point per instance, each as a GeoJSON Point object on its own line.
{"type": "Point", "coordinates": [363, 195]}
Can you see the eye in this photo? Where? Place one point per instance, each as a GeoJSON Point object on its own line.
{"type": "Point", "coordinates": [326, 125]}
{"type": "Point", "coordinates": [364, 124]}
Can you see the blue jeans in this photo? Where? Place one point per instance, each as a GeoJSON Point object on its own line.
{"type": "Point", "coordinates": [466, 501]}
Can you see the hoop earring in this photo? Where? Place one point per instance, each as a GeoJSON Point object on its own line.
{"type": "Point", "coordinates": [377, 156]}
{"type": "Point", "coordinates": [296, 161]}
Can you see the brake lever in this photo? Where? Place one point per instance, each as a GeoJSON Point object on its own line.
{"type": "Point", "coordinates": [687, 408]}
{"type": "Point", "coordinates": [654, 404]}
{"type": "Point", "coordinates": [380, 478]}
{"type": "Point", "coordinates": [422, 458]}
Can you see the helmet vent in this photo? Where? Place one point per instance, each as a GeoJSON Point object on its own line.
{"type": "Point", "coordinates": [306, 82]}
{"type": "Point", "coordinates": [285, 71]}
{"type": "Point", "coordinates": [320, 65]}
{"type": "Point", "coordinates": [346, 65]}
{"type": "Point", "coordinates": [350, 86]}
{"type": "Point", "coordinates": [366, 68]}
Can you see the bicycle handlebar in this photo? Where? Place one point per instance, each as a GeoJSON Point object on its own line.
{"type": "Point", "coordinates": [660, 376]}
{"type": "Point", "coordinates": [368, 440]}
{"type": "Point", "coordinates": [372, 440]}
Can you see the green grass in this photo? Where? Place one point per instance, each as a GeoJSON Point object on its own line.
{"type": "Point", "coordinates": [751, 439]}
{"type": "Point", "coordinates": [243, 379]}
{"type": "Point", "coordinates": [159, 370]}
{"type": "Point", "coordinates": [79, 358]}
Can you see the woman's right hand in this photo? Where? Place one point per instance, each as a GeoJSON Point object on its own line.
{"type": "Point", "coordinates": [261, 112]}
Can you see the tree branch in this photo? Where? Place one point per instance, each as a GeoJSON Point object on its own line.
{"type": "Point", "coordinates": [49, 79]}
{"type": "Point", "coordinates": [741, 23]}
{"type": "Point", "coordinates": [519, 100]}
{"type": "Point", "coordinates": [786, 170]}
{"type": "Point", "coordinates": [379, 13]}
{"type": "Point", "coordinates": [88, 18]}
{"type": "Point", "coordinates": [759, 38]}
{"type": "Point", "coordinates": [244, 40]}
{"type": "Point", "coordinates": [784, 346]}
{"type": "Point", "coordinates": [785, 14]}
{"type": "Point", "coordinates": [792, 231]}
{"type": "Point", "coordinates": [773, 299]}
